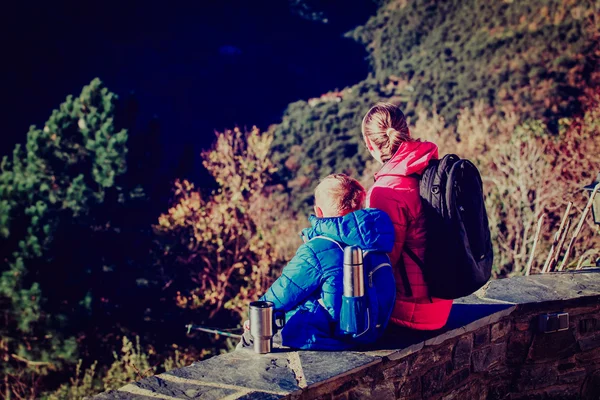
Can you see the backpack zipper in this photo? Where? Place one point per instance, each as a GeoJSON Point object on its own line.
{"type": "Point", "coordinates": [375, 269]}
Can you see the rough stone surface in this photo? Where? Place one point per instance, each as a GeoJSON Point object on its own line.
{"type": "Point", "coordinates": [489, 356]}
{"type": "Point", "coordinates": [462, 352]}
{"type": "Point", "coordinates": [500, 329]}
{"type": "Point", "coordinates": [490, 349]}
{"type": "Point", "coordinates": [481, 337]}
{"type": "Point", "coordinates": [409, 388]}
{"type": "Point", "coordinates": [546, 287]}
{"type": "Point", "coordinates": [548, 346]}
{"type": "Point", "coordinates": [244, 369]}
{"type": "Point", "coordinates": [399, 370]}
{"type": "Point", "coordinates": [320, 366]}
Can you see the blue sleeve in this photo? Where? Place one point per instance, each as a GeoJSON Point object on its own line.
{"type": "Point", "coordinates": [298, 280]}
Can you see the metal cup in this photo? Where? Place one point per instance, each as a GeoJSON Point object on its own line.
{"type": "Point", "coordinates": [262, 325]}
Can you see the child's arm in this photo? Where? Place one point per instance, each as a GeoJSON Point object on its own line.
{"type": "Point", "coordinates": [298, 280]}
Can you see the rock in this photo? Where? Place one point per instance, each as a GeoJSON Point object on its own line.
{"type": "Point", "coordinates": [462, 352]}
{"type": "Point", "coordinates": [500, 330]}
{"type": "Point", "coordinates": [485, 358]}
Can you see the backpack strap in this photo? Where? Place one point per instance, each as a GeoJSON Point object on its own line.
{"type": "Point", "coordinates": [404, 275]}
{"type": "Point", "coordinates": [330, 239]}
{"type": "Point", "coordinates": [402, 269]}
{"type": "Point", "coordinates": [419, 263]}
{"type": "Point", "coordinates": [414, 257]}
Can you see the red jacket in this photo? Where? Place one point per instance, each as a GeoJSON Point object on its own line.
{"type": "Point", "coordinates": [397, 193]}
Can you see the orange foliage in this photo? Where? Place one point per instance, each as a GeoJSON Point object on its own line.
{"type": "Point", "coordinates": [228, 244]}
{"type": "Point", "coordinates": [526, 172]}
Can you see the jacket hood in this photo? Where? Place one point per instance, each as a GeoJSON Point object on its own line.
{"type": "Point", "coordinates": [370, 229]}
{"type": "Point", "coordinates": [410, 158]}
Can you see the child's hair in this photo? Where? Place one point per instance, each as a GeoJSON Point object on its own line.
{"type": "Point", "coordinates": [339, 194]}
{"type": "Point", "coordinates": [385, 126]}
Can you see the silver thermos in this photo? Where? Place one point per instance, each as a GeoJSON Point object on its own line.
{"type": "Point", "coordinates": [354, 278]}
{"type": "Point", "coordinates": [264, 323]}
{"type": "Point", "coordinates": [354, 313]}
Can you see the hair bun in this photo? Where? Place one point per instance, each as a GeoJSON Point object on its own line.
{"type": "Point", "coordinates": [389, 132]}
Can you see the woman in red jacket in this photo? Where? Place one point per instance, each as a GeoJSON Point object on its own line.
{"type": "Point", "coordinates": [396, 191]}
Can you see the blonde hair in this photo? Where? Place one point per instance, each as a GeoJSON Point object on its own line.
{"type": "Point", "coordinates": [385, 126]}
{"type": "Point", "coordinates": [339, 194]}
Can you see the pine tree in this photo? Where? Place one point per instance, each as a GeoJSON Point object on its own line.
{"type": "Point", "coordinates": [54, 188]}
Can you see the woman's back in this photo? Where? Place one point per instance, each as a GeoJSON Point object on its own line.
{"type": "Point", "coordinates": [396, 191]}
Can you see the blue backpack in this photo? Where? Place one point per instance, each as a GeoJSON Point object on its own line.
{"type": "Point", "coordinates": [379, 298]}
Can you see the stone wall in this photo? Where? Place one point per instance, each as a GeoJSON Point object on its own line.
{"type": "Point", "coordinates": [490, 349]}
{"type": "Point", "coordinates": [505, 360]}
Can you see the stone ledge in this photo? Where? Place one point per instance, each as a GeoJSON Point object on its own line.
{"type": "Point", "coordinates": [480, 325]}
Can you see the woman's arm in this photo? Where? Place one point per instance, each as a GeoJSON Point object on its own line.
{"type": "Point", "coordinates": [300, 277]}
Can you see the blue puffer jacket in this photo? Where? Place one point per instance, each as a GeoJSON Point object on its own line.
{"type": "Point", "coordinates": [316, 273]}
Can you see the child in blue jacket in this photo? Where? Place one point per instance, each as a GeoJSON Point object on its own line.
{"type": "Point", "coordinates": [310, 287]}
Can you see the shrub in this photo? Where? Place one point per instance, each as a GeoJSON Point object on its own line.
{"type": "Point", "coordinates": [527, 172]}
{"type": "Point", "coordinates": [54, 196]}
{"type": "Point", "coordinates": [222, 250]}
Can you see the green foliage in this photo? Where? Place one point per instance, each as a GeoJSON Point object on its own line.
{"type": "Point", "coordinates": [65, 172]}
{"type": "Point", "coordinates": [130, 364]}
{"type": "Point", "coordinates": [534, 57]}
{"type": "Point", "coordinates": [84, 383]}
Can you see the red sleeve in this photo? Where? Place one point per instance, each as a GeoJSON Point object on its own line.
{"type": "Point", "coordinates": [385, 199]}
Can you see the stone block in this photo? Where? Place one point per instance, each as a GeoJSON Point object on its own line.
{"type": "Point", "coordinates": [420, 360]}
{"type": "Point", "coordinates": [485, 358]}
{"type": "Point", "coordinates": [481, 337]}
{"type": "Point", "coordinates": [591, 387]}
{"type": "Point", "coordinates": [397, 371]}
{"type": "Point", "coordinates": [498, 391]}
{"type": "Point", "coordinates": [462, 352]}
{"type": "Point", "coordinates": [589, 357]}
{"type": "Point", "coordinates": [319, 366]}
{"type": "Point", "coordinates": [343, 396]}
{"type": "Point", "coordinates": [562, 393]}
{"type": "Point", "coordinates": [471, 391]}
{"type": "Point", "coordinates": [551, 346]}
{"type": "Point", "coordinates": [518, 347]}
{"type": "Point", "coordinates": [536, 377]}
{"type": "Point", "coordinates": [559, 393]}
{"type": "Point", "coordinates": [522, 326]}
{"type": "Point", "coordinates": [583, 310]}
{"type": "Point", "coordinates": [409, 388]}
{"type": "Point", "coordinates": [164, 385]}
{"type": "Point", "coordinates": [344, 387]}
{"type": "Point", "coordinates": [500, 330]}
{"type": "Point", "coordinates": [381, 391]}
{"type": "Point", "coordinates": [499, 371]}
{"type": "Point", "coordinates": [588, 325]}
{"type": "Point", "coordinates": [566, 365]}
{"type": "Point", "coordinates": [433, 381]}
{"type": "Point", "coordinates": [430, 356]}
{"type": "Point", "coordinates": [456, 379]}
{"type": "Point", "coordinates": [242, 368]}
{"type": "Point", "coordinates": [590, 342]}
{"type": "Point", "coordinates": [572, 376]}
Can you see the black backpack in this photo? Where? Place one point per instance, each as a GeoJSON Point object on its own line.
{"type": "Point", "coordinates": [458, 254]}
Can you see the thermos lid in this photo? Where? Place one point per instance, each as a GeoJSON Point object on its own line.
{"type": "Point", "coordinates": [353, 255]}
